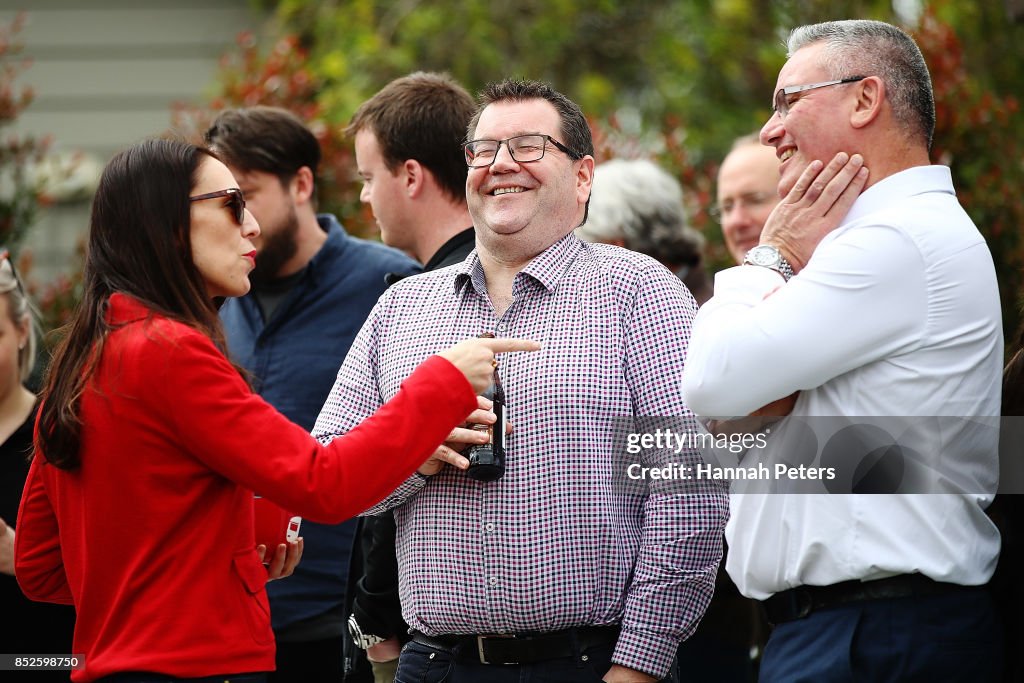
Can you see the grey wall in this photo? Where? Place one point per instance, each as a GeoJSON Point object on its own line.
{"type": "Point", "coordinates": [105, 74]}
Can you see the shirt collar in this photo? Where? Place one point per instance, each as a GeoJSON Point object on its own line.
{"type": "Point", "coordinates": [337, 240]}
{"type": "Point", "coordinates": [899, 186]}
{"type": "Point", "coordinates": [546, 268]}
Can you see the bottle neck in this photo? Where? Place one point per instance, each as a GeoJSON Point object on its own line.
{"type": "Point", "coordinates": [496, 390]}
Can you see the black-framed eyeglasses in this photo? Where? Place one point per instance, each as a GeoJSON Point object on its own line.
{"type": "Point", "coordinates": [522, 148]}
{"type": "Point", "coordinates": [782, 101]}
{"type": "Point", "coordinates": [749, 199]}
{"type": "Point", "coordinates": [6, 258]}
{"type": "Point", "coordinates": [235, 202]}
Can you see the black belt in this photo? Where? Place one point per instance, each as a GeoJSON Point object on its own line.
{"type": "Point", "coordinates": [521, 648]}
{"type": "Point", "coordinates": [797, 603]}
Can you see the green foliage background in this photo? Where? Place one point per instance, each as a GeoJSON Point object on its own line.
{"type": "Point", "coordinates": [672, 80]}
{"type": "Point", "coordinates": [20, 193]}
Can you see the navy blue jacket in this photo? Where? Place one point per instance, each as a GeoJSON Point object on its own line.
{"type": "Point", "coordinates": [294, 359]}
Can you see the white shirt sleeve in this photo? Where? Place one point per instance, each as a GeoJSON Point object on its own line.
{"type": "Point", "coordinates": [856, 301]}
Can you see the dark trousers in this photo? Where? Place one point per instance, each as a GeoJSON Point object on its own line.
{"type": "Point", "coordinates": [953, 638]}
{"type": "Point", "coordinates": [312, 661]}
{"type": "Point", "coordinates": [422, 664]}
{"type": "Point", "coordinates": [710, 658]}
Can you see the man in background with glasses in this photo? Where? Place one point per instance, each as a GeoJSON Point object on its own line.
{"type": "Point", "coordinates": [748, 182]}
{"type": "Point", "coordinates": [883, 303]}
{"type": "Point", "coordinates": [556, 570]}
{"type": "Point", "coordinates": [312, 287]}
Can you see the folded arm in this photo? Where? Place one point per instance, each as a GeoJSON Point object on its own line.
{"type": "Point", "coordinates": [861, 298]}
{"type": "Point", "coordinates": [39, 564]}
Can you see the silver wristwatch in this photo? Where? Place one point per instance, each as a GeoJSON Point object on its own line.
{"type": "Point", "coordinates": [767, 256]}
{"type": "Point", "coordinates": [362, 640]}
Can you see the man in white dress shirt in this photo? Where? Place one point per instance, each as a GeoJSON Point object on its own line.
{"type": "Point", "coordinates": [873, 294]}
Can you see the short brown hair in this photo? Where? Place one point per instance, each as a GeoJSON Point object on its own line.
{"type": "Point", "coordinates": [421, 116]}
{"type": "Point", "coordinates": [264, 139]}
{"type": "Point", "coordinates": [575, 131]}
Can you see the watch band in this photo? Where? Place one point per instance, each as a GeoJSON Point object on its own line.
{"type": "Point", "coordinates": [362, 640]}
{"type": "Point", "coordinates": [784, 268]}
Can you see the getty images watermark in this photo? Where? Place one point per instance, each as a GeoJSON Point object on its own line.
{"type": "Point", "coordinates": [736, 443]}
{"type": "Point", "coordinates": [834, 455]}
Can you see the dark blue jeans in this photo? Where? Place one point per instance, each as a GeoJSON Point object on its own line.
{"type": "Point", "coordinates": [422, 664]}
{"type": "Point", "coordinates": [951, 638]}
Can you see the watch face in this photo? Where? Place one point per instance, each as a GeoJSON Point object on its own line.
{"type": "Point", "coordinates": [763, 255]}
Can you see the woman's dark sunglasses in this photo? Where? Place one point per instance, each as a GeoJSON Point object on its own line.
{"type": "Point", "coordinates": [236, 201]}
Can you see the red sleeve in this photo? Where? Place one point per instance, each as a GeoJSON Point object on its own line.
{"type": "Point", "coordinates": [38, 562]}
{"type": "Point", "coordinates": [236, 433]}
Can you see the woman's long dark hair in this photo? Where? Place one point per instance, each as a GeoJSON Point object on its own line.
{"type": "Point", "coordinates": [139, 244]}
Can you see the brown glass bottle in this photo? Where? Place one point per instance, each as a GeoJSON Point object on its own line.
{"type": "Point", "coordinates": [487, 461]}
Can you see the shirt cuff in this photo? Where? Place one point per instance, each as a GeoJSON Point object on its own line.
{"type": "Point", "coordinates": [746, 284]}
{"type": "Point", "coordinates": [651, 654]}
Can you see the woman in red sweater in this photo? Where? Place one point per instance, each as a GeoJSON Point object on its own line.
{"type": "Point", "coordinates": [150, 444]}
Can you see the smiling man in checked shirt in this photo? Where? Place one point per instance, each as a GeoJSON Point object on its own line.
{"type": "Point", "coordinates": [592, 582]}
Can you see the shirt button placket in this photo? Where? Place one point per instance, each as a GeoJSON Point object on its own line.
{"type": "Point", "coordinates": [489, 554]}
{"type": "Point", "coordinates": [492, 566]}
{"type": "Point", "coordinates": [492, 554]}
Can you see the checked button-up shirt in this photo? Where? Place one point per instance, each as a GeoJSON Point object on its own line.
{"type": "Point", "coordinates": [556, 542]}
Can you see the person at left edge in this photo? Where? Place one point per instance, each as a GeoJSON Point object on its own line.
{"type": "Point", "coordinates": [150, 444]}
{"type": "Point", "coordinates": [29, 626]}
{"type": "Point", "coordinates": [312, 288]}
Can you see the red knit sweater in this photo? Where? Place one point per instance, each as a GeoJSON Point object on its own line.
{"type": "Point", "coordinates": [152, 537]}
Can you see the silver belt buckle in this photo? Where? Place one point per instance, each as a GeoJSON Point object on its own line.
{"type": "Point", "coordinates": [480, 647]}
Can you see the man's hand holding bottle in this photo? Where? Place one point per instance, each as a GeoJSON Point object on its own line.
{"type": "Point", "coordinates": [478, 429]}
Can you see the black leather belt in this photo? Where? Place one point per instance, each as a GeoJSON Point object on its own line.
{"type": "Point", "coordinates": [797, 603]}
{"type": "Point", "coordinates": [521, 648]}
